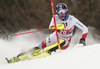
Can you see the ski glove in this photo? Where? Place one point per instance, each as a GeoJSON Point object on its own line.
{"type": "Point", "coordinates": [82, 41]}
{"type": "Point", "coordinates": [59, 26]}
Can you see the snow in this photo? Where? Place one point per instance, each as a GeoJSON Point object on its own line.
{"type": "Point", "coordinates": [87, 57]}
{"type": "Point", "coordinates": [75, 57]}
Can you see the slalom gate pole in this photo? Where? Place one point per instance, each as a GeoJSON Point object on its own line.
{"type": "Point", "coordinates": [27, 32]}
{"type": "Point", "coordinates": [55, 23]}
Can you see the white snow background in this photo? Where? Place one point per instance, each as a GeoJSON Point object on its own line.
{"type": "Point", "coordinates": [75, 57]}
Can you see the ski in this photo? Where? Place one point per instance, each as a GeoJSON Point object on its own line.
{"type": "Point", "coordinates": [34, 56]}
{"type": "Point", "coordinates": [36, 52]}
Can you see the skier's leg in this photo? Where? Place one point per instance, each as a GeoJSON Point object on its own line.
{"type": "Point", "coordinates": [49, 49]}
{"type": "Point", "coordinates": [52, 40]}
{"type": "Point", "coordinates": [66, 44]}
{"type": "Point", "coordinates": [54, 47]}
{"type": "Point", "coordinates": [48, 41]}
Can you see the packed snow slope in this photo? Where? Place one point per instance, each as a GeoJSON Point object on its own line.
{"type": "Point", "coordinates": [75, 57]}
{"type": "Point", "coordinates": [87, 57]}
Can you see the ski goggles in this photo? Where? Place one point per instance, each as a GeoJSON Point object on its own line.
{"type": "Point", "coordinates": [61, 11]}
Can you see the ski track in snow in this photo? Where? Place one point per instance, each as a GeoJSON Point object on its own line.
{"type": "Point", "coordinates": [13, 46]}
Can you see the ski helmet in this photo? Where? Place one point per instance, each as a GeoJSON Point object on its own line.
{"type": "Point", "coordinates": [61, 6]}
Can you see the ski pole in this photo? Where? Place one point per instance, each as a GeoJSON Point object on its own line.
{"type": "Point", "coordinates": [28, 32]}
{"type": "Point", "coordinates": [55, 24]}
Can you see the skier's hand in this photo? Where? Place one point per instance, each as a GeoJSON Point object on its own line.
{"type": "Point", "coordinates": [82, 41]}
{"type": "Point", "coordinates": [59, 26]}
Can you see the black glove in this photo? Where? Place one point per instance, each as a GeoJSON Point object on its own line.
{"type": "Point", "coordinates": [82, 41]}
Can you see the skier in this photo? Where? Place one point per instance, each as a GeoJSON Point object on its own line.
{"type": "Point", "coordinates": [65, 26]}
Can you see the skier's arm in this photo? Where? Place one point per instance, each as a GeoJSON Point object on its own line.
{"type": "Point", "coordinates": [59, 26]}
{"type": "Point", "coordinates": [81, 26]}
